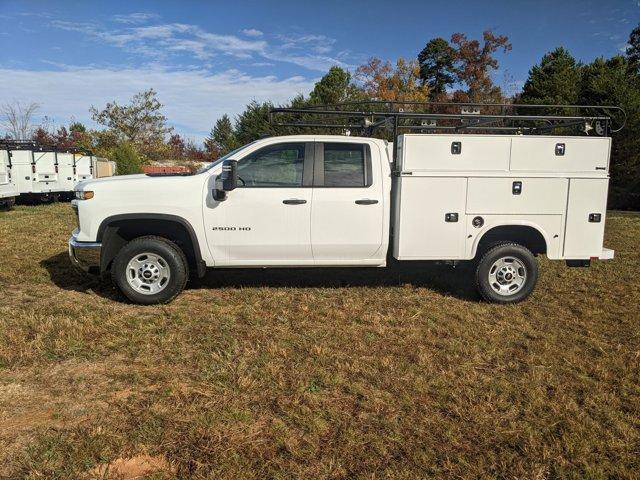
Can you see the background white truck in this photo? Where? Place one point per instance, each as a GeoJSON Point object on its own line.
{"type": "Point", "coordinates": [8, 190]}
{"type": "Point", "coordinates": [43, 173]}
{"type": "Point", "coordinates": [335, 200]}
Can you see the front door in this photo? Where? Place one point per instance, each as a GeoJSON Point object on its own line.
{"type": "Point", "coordinates": [266, 219]}
{"type": "Point", "coordinates": [347, 216]}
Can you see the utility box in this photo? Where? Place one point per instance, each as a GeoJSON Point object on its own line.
{"type": "Point", "coordinates": [453, 188]}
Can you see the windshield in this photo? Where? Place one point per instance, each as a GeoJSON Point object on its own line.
{"type": "Point", "coordinates": [222, 159]}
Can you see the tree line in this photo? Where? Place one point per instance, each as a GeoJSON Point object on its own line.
{"type": "Point", "coordinates": [451, 71]}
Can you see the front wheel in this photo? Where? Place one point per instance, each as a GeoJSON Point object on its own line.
{"type": "Point", "coordinates": [150, 270]}
{"type": "Point", "coordinates": [506, 273]}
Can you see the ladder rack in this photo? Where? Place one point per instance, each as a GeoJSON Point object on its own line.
{"type": "Point", "coordinates": [369, 116]}
{"type": "Point", "coordinates": [10, 144]}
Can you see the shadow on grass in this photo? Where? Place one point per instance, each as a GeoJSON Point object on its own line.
{"type": "Point", "coordinates": [65, 276]}
{"type": "Point", "coordinates": [444, 279]}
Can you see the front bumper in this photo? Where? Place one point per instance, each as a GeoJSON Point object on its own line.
{"type": "Point", "coordinates": [85, 255]}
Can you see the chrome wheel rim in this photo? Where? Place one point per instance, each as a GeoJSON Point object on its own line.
{"type": "Point", "coordinates": [507, 276]}
{"type": "Point", "coordinates": [148, 273]}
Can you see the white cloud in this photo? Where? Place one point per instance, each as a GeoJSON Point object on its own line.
{"type": "Point", "coordinates": [157, 41]}
{"type": "Point", "coordinates": [161, 41]}
{"type": "Point", "coordinates": [252, 32]}
{"type": "Point", "coordinates": [135, 18]}
{"type": "Point", "coordinates": [193, 99]}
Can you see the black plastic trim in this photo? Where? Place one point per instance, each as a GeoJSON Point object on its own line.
{"type": "Point", "coordinates": [200, 265]}
{"type": "Point", "coordinates": [578, 263]}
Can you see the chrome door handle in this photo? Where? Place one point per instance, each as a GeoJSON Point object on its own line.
{"type": "Point", "coordinates": [294, 201]}
{"type": "Point", "coordinates": [366, 202]}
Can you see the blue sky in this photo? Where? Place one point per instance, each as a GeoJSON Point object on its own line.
{"type": "Point", "coordinates": [210, 58]}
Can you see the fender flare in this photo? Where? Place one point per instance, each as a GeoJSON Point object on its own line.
{"type": "Point", "coordinates": [200, 264]}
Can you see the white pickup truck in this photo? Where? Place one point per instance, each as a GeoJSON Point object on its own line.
{"type": "Point", "coordinates": [335, 200]}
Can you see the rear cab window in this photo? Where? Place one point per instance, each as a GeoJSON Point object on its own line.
{"type": "Point", "coordinates": [341, 165]}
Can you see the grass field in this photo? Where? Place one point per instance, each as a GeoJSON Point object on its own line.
{"type": "Point", "coordinates": [316, 373]}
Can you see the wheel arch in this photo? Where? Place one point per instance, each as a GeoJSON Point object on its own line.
{"type": "Point", "coordinates": [525, 233]}
{"type": "Point", "coordinates": [116, 230]}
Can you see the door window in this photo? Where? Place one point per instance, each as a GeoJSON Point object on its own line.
{"type": "Point", "coordinates": [345, 165]}
{"type": "Point", "coordinates": [280, 165]}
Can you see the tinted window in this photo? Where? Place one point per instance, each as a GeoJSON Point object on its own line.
{"type": "Point", "coordinates": [344, 165]}
{"type": "Point", "coordinates": [273, 166]}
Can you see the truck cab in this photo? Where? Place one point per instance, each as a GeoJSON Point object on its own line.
{"type": "Point", "coordinates": [336, 200]}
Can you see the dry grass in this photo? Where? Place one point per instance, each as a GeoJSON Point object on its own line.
{"type": "Point", "coordinates": [314, 373]}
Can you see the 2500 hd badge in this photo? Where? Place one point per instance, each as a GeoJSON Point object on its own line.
{"type": "Point", "coordinates": [244, 229]}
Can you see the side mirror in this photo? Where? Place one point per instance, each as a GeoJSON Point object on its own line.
{"type": "Point", "coordinates": [227, 180]}
{"type": "Point", "coordinates": [229, 175]}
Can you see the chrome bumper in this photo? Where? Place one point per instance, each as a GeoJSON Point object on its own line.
{"type": "Point", "coordinates": [85, 255]}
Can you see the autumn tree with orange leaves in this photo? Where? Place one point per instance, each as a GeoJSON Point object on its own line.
{"type": "Point", "coordinates": [381, 81]}
{"type": "Point", "coordinates": [475, 61]}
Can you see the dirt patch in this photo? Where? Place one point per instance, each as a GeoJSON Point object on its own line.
{"type": "Point", "coordinates": [132, 468]}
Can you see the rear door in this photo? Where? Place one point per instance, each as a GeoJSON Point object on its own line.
{"type": "Point", "coordinates": [348, 205]}
{"type": "Point", "coordinates": [5, 174]}
{"type": "Point", "coordinates": [84, 167]}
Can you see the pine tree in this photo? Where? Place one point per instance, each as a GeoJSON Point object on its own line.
{"type": "Point", "coordinates": [555, 81]}
{"type": "Point", "coordinates": [633, 48]}
{"type": "Point", "coordinates": [437, 68]}
{"type": "Point", "coordinates": [334, 87]}
{"type": "Point", "coordinates": [222, 138]}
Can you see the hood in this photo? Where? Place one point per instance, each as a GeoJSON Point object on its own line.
{"type": "Point", "coordinates": [86, 184]}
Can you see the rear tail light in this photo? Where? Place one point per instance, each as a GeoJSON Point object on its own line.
{"type": "Point", "coordinates": [74, 170]}
{"type": "Point", "coordinates": [56, 168]}
{"type": "Point", "coordinates": [33, 169]}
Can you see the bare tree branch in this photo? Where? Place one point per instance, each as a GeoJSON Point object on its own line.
{"type": "Point", "coordinates": [16, 119]}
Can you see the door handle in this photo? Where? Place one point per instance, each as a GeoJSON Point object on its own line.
{"type": "Point", "coordinates": [366, 202]}
{"type": "Point", "coordinates": [294, 201]}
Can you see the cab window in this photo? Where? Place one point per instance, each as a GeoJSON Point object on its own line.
{"type": "Point", "coordinates": [280, 165]}
{"type": "Point", "coordinates": [344, 165]}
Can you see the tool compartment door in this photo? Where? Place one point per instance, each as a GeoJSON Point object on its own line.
{"type": "Point", "coordinates": [45, 163]}
{"type": "Point", "coordinates": [560, 154]}
{"type": "Point", "coordinates": [514, 195]}
{"type": "Point", "coordinates": [584, 234]}
{"type": "Point", "coordinates": [455, 153]}
{"type": "Point", "coordinates": [430, 218]}
{"type": "Point", "coordinates": [83, 168]}
{"type": "Point", "coordinates": [4, 167]}
{"type": "Point", "coordinates": [65, 171]}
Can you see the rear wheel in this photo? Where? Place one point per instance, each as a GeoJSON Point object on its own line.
{"type": "Point", "coordinates": [506, 273]}
{"type": "Point", "coordinates": [150, 270]}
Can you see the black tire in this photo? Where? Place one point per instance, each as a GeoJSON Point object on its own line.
{"type": "Point", "coordinates": [170, 254]}
{"type": "Point", "coordinates": [506, 275]}
{"type": "Point", "coordinates": [7, 203]}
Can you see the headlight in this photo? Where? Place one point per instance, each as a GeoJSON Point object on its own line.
{"type": "Point", "coordinates": [86, 195]}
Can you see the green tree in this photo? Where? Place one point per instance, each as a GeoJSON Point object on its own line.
{"type": "Point", "coordinates": [437, 66]}
{"type": "Point", "coordinates": [77, 127]}
{"type": "Point", "coordinates": [222, 138]}
{"type": "Point", "coordinates": [555, 81]}
{"type": "Point", "coordinates": [126, 158]}
{"type": "Point", "coordinates": [253, 123]}
{"type": "Point", "coordinates": [613, 82]}
{"type": "Point", "coordinates": [334, 87]}
{"type": "Point", "coordinates": [633, 48]}
{"type": "Point", "coordinates": [141, 122]}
